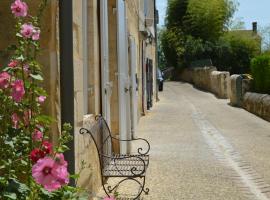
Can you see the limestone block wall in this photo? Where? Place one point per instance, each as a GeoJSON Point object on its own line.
{"type": "Point", "coordinates": [209, 79]}
{"type": "Point", "coordinates": [202, 77]}
{"type": "Point", "coordinates": [236, 90]}
{"type": "Point", "coordinates": [258, 104]}
{"type": "Point", "coordinates": [84, 148]}
{"type": "Point", "coordinates": [220, 83]}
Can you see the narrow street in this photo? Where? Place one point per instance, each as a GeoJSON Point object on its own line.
{"type": "Point", "coordinates": [202, 148]}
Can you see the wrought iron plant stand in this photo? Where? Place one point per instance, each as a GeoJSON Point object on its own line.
{"type": "Point", "coordinates": [127, 167]}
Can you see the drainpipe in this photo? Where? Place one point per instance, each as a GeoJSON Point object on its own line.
{"type": "Point", "coordinates": [67, 75]}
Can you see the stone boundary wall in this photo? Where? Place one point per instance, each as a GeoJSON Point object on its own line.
{"type": "Point", "coordinates": [209, 79]}
{"type": "Point", "coordinates": [258, 104]}
{"type": "Point", "coordinates": [220, 84]}
{"type": "Point", "coordinates": [235, 87]}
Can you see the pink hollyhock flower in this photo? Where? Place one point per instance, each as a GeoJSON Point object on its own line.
{"type": "Point", "coordinates": [37, 154]}
{"type": "Point", "coordinates": [18, 90]}
{"type": "Point", "coordinates": [48, 173]}
{"type": "Point", "coordinates": [41, 99]}
{"type": "Point", "coordinates": [36, 34]}
{"type": "Point", "coordinates": [15, 120]}
{"type": "Point", "coordinates": [13, 63]}
{"type": "Point", "coordinates": [60, 159]}
{"type": "Point", "coordinates": [37, 135]}
{"type": "Point", "coordinates": [46, 147]}
{"type": "Point", "coordinates": [4, 80]}
{"type": "Point", "coordinates": [27, 30]}
{"type": "Point", "coordinates": [19, 8]}
{"type": "Point", "coordinates": [61, 170]}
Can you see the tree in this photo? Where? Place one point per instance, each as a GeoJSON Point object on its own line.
{"type": "Point", "coordinates": [207, 19]}
{"type": "Point", "coordinates": [191, 24]}
{"type": "Point", "coordinates": [161, 57]}
{"type": "Point", "coordinates": [175, 12]}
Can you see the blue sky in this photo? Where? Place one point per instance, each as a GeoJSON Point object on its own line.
{"type": "Point", "coordinates": [248, 11]}
{"type": "Point", "coordinates": [161, 6]}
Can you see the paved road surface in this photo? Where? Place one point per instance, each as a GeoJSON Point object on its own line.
{"type": "Point", "coordinates": [204, 149]}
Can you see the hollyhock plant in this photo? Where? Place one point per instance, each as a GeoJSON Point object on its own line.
{"type": "Point", "coordinates": [24, 127]}
{"type": "Point", "coordinates": [15, 120]}
{"type": "Point", "coordinates": [4, 80]}
{"type": "Point", "coordinates": [48, 173]}
{"type": "Point", "coordinates": [37, 135]}
{"type": "Point", "coordinates": [36, 34]}
{"type": "Point", "coordinates": [13, 63]}
{"type": "Point", "coordinates": [19, 8]}
{"type": "Point", "coordinates": [60, 159]}
{"type": "Point", "coordinates": [47, 147]}
{"type": "Point", "coordinates": [41, 99]}
{"type": "Point", "coordinates": [37, 154]}
{"type": "Point", "coordinates": [27, 30]}
{"type": "Point", "coordinates": [18, 90]}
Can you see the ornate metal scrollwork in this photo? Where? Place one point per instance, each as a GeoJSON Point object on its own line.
{"type": "Point", "coordinates": [129, 167]}
{"type": "Point", "coordinates": [111, 189]}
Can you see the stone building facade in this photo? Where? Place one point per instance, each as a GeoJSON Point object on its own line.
{"type": "Point", "coordinates": [99, 57]}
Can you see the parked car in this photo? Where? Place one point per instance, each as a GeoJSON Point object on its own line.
{"type": "Point", "coordinates": [160, 79]}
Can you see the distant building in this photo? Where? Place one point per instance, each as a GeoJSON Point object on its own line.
{"type": "Point", "coordinates": [251, 34]}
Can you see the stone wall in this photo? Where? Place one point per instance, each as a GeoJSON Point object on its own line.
{"type": "Point", "coordinates": [202, 77]}
{"type": "Point", "coordinates": [220, 84]}
{"type": "Point", "coordinates": [84, 116]}
{"type": "Point", "coordinates": [207, 78]}
{"type": "Point", "coordinates": [235, 87]}
{"type": "Point", "coordinates": [236, 90]}
{"type": "Point", "coordinates": [258, 104]}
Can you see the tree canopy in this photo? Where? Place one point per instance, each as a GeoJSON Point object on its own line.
{"type": "Point", "coordinates": [199, 29]}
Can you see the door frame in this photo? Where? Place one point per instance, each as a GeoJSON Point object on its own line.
{"type": "Point", "coordinates": [123, 80]}
{"type": "Point", "coordinates": [134, 86]}
{"type": "Point", "coordinates": [104, 51]}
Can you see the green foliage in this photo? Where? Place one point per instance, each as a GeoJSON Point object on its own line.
{"type": "Point", "coordinates": [172, 46]}
{"type": "Point", "coordinates": [193, 29]}
{"type": "Point", "coordinates": [206, 19]}
{"type": "Point", "coordinates": [21, 119]}
{"type": "Point", "coordinates": [242, 49]}
{"type": "Point", "coordinates": [260, 69]}
{"type": "Point", "coordinates": [175, 12]}
{"type": "Point", "coordinates": [161, 57]}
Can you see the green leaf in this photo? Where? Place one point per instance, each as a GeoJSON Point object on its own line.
{"type": "Point", "coordinates": [75, 176]}
{"type": "Point", "coordinates": [62, 149]}
{"type": "Point", "coordinates": [19, 35]}
{"type": "Point", "coordinates": [10, 195]}
{"type": "Point", "coordinates": [6, 69]}
{"type": "Point", "coordinates": [9, 143]}
{"type": "Point", "coordinates": [24, 162]}
{"type": "Point", "coordinates": [36, 77]}
{"type": "Point", "coordinates": [21, 57]}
